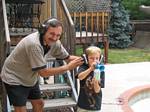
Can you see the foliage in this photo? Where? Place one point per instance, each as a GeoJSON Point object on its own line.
{"type": "Point", "coordinates": [133, 7]}
{"type": "Point", "coordinates": [119, 28]}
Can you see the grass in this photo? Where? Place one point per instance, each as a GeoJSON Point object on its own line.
{"type": "Point", "coordinates": [128, 55]}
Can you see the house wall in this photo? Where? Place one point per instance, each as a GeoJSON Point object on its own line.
{"type": "Point", "coordinates": [45, 10]}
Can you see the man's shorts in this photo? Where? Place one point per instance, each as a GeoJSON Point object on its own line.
{"type": "Point", "coordinates": [18, 95]}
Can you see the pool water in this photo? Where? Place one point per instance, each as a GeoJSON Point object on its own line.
{"type": "Point", "coordinates": [142, 105]}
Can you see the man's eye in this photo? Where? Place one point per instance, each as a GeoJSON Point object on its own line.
{"type": "Point", "coordinates": [53, 34]}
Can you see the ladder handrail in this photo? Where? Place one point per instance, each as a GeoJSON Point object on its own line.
{"type": "Point", "coordinates": [75, 95]}
{"type": "Point", "coordinates": [68, 37]}
{"type": "Point", "coordinates": [7, 36]}
{"type": "Point", "coordinates": [69, 76]}
{"type": "Point", "coordinates": [5, 49]}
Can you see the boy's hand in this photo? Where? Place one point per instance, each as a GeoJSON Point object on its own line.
{"type": "Point", "coordinates": [96, 85]}
{"type": "Point", "coordinates": [93, 65]}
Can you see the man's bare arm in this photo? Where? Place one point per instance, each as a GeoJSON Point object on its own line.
{"type": "Point", "coordinates": [57, 70]}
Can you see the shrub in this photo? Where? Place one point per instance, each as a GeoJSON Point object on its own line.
{"type": "Point", "coordinates": [133, 8]}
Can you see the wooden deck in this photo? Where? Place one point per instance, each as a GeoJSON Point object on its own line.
{"type": "Point", "coordinates": [81, 38]}
{"type": "Point", "coordinates": [89, 37]}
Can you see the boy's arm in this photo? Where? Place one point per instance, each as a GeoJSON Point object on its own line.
{"type": "Point", "coordinates": [97, 86]}
{"type": "Point", "coordinates": [84, 74]}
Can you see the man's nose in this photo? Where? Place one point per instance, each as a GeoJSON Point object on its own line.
{"type": "Point", "coordinates": [55, 37]}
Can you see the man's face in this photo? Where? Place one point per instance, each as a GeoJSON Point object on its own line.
{"type": "Point", "coordinates": [52, 35]}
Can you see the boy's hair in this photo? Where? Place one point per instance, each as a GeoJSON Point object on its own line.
{"type": "Point", "coordinates": [92, 50]}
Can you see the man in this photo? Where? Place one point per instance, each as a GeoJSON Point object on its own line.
{"type": "Point", "coordinates": [26, 63]}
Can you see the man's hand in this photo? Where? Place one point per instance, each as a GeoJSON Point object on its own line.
{"type": "Point", "coordinates": [74, 63]}
{"type": "Point", "coordinates": [71, 57]}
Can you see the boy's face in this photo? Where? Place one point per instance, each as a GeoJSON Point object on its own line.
{"type": "Point", "coordinates": [93, 58]}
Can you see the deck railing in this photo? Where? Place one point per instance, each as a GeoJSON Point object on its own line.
{"type": "Point", "coordinates": [91, 28]}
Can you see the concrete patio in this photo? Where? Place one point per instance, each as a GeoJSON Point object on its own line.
{"type": "Point", "coordinates": [120, 78]}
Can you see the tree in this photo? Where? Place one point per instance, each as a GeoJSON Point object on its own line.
{"type": "Point", "coordinates": [119, 29]}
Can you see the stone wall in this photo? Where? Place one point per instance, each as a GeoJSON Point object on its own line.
{"type": "Point", "coordinates": [142, 40]}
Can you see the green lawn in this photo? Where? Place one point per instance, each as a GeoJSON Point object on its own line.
{"type": "Point", "coordinates": [128, 55]}
{"type": "Point", "coordinates": [125, 55]}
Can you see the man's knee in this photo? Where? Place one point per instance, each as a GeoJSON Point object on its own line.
{"type": "Point", "coordinates": [41, 103]}
{"type": "Point", "coordinates": [38, 103]}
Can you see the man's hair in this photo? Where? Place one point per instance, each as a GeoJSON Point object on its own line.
{"type": "Point", "coordinates": [92, 50]}
{"type": "Point", "coordinates": [51, 22]}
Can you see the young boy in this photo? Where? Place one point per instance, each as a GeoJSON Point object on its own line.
{"type": "Point", "coordinates": [90, 95]}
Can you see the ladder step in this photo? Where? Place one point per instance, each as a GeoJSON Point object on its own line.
{"type": "Point", "coordinates": [55, 87]}
{"type": "Point", "coordinates": [62, 102]}
{"type": "Point", "coordinates": [54, 104]}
